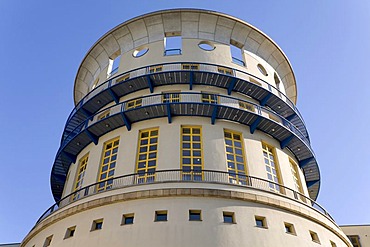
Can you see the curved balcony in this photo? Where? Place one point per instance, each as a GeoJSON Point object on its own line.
{"type": "Point", "coordinates": [189, 73]}
{"type": "Point", "coordinates": [185, 104]}
{"type": "Point", "coordinates": [188, 176]}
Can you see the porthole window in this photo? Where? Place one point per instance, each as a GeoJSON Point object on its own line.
{"type": "Point", "coordinates": [262, 69]}
{"type": "Point", "coordinates": [140, 52]}
{"type": "Point", "coordinates": [207, 46]}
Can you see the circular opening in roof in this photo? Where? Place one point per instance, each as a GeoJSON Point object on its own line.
{"type": "Point", "coordinates": [140, 52]}
{"type": "Point", "coordinates": [206, 45]}
{"type": "Point", "coordinates": [262, 69]}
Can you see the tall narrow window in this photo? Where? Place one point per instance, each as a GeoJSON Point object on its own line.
{"type": "Point", "coordinates": [295, 174]}
{"type": "Point", "coordinates": [82, 164]}
{"type": "Point", "coordinates": [277, 83]}
{"type": "Point", "coordinates": [113, 65]}
{"type": "Point", "coordinates": [108, 165]}
{"type": "Point", "coordinates": [236, 51]}
{"type": "Point", "coordinates": [172, 44]}
{"type": "Point", "coordinates": [146, 161]}
{"type": "Point", "coordinates": [271, 168]}
{"type": "Point", "coordinates": [191, 153]}
{"type": "Point", "coordinates": [235, 157]}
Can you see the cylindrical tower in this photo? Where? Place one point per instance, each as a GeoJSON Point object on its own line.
{"type": "Point", "coordinates": [185, 133]}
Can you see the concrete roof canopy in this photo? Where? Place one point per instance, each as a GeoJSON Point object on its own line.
{"type": "Point", "coordinates": [191, 23]}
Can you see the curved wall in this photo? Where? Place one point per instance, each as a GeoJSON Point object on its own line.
{"type": "Point", "coordinates": [168, 154]}
{"type": "Point", "coordinates": [193, 26]}
{"type": "Point", "coordinates": [275, 177]}
{"type": "Point", "coordinates": [210, 230]}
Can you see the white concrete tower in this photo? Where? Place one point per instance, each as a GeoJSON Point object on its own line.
{"type": "Point", "coordinates": [185, 133]}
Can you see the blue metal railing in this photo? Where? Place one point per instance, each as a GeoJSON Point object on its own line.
{"type": "Point", "coordinates": [167, 67]}
{"type": "Point", "coordinates": [156, 99]}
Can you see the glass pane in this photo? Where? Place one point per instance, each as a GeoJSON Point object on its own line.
{"type": "Point", "coordinates": [196, 131]}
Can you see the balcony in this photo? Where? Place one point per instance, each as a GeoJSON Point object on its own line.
{"type": "Point", "coordinates": [185, 73]}
{"type": "Point", "coordinates": [189, 176]}
{"type": "Point", "coordinates": [212, 106]}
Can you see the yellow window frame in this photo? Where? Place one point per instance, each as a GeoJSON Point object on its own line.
{"type": "Point", "coordinates": [209, 98]}
{"type": "Point", "coordinates": [155, 69]}
{"type": "Point", "coordinates": [235, 157]}
{"type": "Point", "coordinates": [191, 153]}
{"type": "Point", "coordinates": [80, 174]}
{"type": "Point", "coordinates": [104, 115]}
{"type": "Point", "coordinates": [246, 106]}
{"type": "Point", "coordinates": [296, 178]}
{"type": "Point", "coordinates": [271, 167]}
{"type": "Point", "coordinates": [171, 97]}
{"type": "Point", "coordinates": [123, 78]}
{"type": "Point", "coordinates": [133, 104]}
{"type": "Point", "coordinates": [190, 66]}
{"type": "Point", "coordinates": [224, 70]}
{"type": "Point", "coordinates": [147, 152]}
{"type": "Point", "coordinates": [108, 164]}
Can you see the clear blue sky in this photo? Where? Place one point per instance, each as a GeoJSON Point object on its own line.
{"type": "Point", "coordinates": [43, 42]}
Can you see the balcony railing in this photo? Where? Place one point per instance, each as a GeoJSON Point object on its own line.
{"type": "Point", "coordinates": [172, 67]}
{"type": "Point", "coordinates": [216, 107]}
{"type": "Point", "coordinates": [188, 176]}
{"type": "Point", "coordinates": [189, 98]}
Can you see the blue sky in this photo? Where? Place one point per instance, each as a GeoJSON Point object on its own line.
{"type": "Point", "coordinates": [43, 42]}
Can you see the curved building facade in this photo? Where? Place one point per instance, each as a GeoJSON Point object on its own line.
{"type": "Point", "coordinates": [185, 132]}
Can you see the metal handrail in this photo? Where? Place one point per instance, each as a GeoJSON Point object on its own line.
{"type": "Point", "coordinates": [156, 99]}
{"type": "Point", "coordinates": [145, 70]}
{"type": "Point", "coordinates": [178, 175]}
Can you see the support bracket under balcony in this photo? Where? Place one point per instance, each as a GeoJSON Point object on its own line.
{"type": "Point", "coordinates": [304, 162]}
{"type": "Point", "coordinates": [60, 177]}
{"type": "Point", "coordinates": [191, 80]}
{"type": "Point", "coordinates": [169, 117]}
{"type": "Point", "coordinates": [86, 113]}
{"type": "Point", "coordinates": [231, 86]}
{"type": "Point", "coordinates": [114, 95]}
{"type": "Point", "coordinates": [289, 118]}
{"type": "Point", "coordinates": [311, 183]}
{"type": "Point", "coordinates": [126, 121]}
{"type": "Point", "coordinates": [286, 141]}
{"type": "Point", "coordinates": [265, 99]}
{"type": "Point", "coordinates": [92, 137]}
{"type": "Point", "coordinates": [254, 125]}
{"type": "Point", "coordinates": [214, 115]}
{"type": "Point", "coordinates": [70, 156]}
{"type": "Point", "coordinates": [150, 83]}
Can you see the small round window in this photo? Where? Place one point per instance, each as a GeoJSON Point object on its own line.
{"type": "Point", "coordinates": [207, 46]}
{"type": "Point", "coordinates": [262, 69]}
{"type": "Point", "coordinates": [140, 52]}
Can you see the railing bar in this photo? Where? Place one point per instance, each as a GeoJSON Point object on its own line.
{"type": "Point", "coordinates": [177, 175]}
